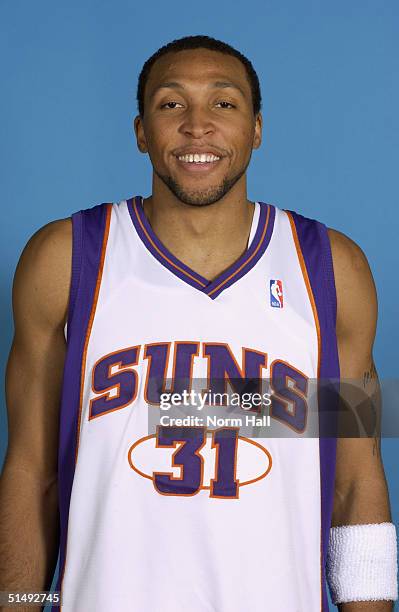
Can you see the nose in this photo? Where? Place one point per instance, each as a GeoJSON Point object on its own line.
{"type": "Point", "coordinates": [197, 122]}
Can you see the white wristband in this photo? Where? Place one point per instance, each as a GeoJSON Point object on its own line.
{"type": "Point", "coordinates": [362, 563]}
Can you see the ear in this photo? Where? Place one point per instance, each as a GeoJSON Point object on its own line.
{"type": "Point", "coordinates": [140, 135]}
{"type": "Point", "coordinates": [257, 141]}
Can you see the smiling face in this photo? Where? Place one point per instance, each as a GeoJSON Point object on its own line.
{"type": "Point", "coordinates": [198, 128]}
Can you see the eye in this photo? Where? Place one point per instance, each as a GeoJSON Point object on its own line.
{"type": "Point", "coordinates": [171, 102]}
{"type": "Point", "coordinates": [225, 102]}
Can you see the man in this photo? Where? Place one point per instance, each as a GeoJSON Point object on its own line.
{"type": "Point", "coordinates": [178, 286]}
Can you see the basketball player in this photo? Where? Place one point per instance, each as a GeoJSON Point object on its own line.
{"type": "Point", "coordinates": [177, 285]}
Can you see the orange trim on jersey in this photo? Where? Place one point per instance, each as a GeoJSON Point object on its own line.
{"type": "Point", "coordinates": [202, 487]}
{"type": "Point", "coordinates": [129, 453]}
{"type": "Point", "coordinates": [316, 318]}
{"type": "Point", "coordinates": [172, 263]}
{"type": "Point", "coordinates": [295, 390]}
{"type": "Point", "coordinates": [216, 445]}
{"type": "Point", "coordinates": [88, 332]}
{"type": "Point", "coordinates": [175, 353]}
{"type": "Point", "coordinates": [308, 287]}
{"type": "Point", "coordinates": [249, 258]}
{"type": "Point", "coordinates": [149, 366]}
{"type": "Point", "coordinates": [181, 444]}
{"type": "Point", "coordinates": [121, 368]}
{"type": "Point", "coordinates": [264, 449]}
{"type": "Point", "coordinates": [244, 352]}
{"type": "Point", "coordinates": [90, 325]}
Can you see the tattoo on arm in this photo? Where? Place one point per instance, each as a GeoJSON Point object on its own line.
{"type": "Point", "coordinates": [369, 375]}
{"type": "Point", "coordinates": [371, 386]}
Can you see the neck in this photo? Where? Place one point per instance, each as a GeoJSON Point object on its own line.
{"type": "Point", "coordinates": [207, 238]}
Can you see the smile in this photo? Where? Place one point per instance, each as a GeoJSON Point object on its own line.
{"type": "Point", "coordinates": [198, 162]}
{"type": "Point", "coordinates": [198, 158]}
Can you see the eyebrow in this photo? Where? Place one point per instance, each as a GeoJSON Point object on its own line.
{"type": "Point", "coordinates": [215, 84]}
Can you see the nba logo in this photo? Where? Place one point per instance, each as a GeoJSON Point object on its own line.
{"type": "Point", "coordinates": [276, 293]}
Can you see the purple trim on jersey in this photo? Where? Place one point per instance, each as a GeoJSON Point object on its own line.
{"type": "Point", "coordinates": [232, 274]}
{"type": "Point", "coordinates": [316, 251]}
{"type": "Point", "coordinates": [88, 232]}
{"type": "Point", "coordinates": [158, 249]}
{"type": "Point", "coordinates": [255, 251]}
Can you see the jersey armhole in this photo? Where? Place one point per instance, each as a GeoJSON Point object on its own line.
{"type": "Point", "coordinates": [329, 278]}
{"type": "Point", "coordinates": [76, 271]}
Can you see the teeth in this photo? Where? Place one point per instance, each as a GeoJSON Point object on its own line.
{"type": "Point", "coordinates": [198, 158]}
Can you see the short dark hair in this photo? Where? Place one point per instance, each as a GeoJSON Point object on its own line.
{"type": "Point", "coordinates": [199, 42]}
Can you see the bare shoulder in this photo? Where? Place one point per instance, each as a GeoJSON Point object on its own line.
{"type": "Point", "coordinates": [356, 292]}
{"type": "Point", "coordinates": [40, 296]}
{"type": "Point", "coordinates": [347, 254]}
{"type": "Point", "coordinates": [43, 275]}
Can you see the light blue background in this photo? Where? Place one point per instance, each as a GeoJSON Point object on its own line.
{"type": "Point", "coordinates": [329, 78]}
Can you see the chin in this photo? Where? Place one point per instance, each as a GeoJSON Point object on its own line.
{"type": "Point", "coordinates": [204, 197]}
{"type": "Point", "coordinates": [200, 196]}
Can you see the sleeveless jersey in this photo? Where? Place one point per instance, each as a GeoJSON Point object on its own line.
{"type": "Point", "coordinates": [203, 524]}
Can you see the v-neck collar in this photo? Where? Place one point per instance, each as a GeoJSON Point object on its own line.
{"type": "Point", "coordinates": [233, 273]}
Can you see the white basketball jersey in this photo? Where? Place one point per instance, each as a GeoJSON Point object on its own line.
{"type": "Point", "coordinates": [201, 521]}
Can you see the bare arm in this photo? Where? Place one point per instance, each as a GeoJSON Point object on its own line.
{"type": "Point", "coordinates": [361, 493]}
{"type": "Point", "coordinates": [29, 529]}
